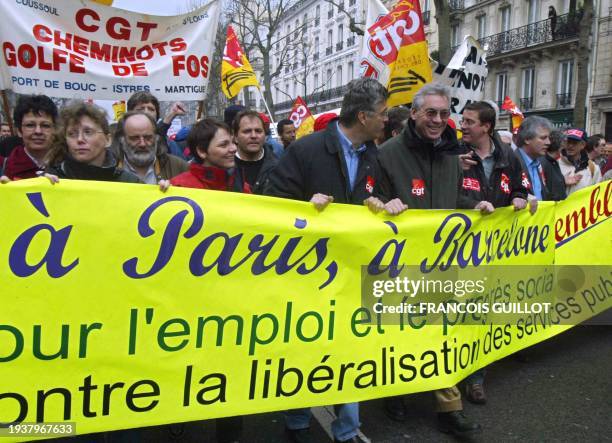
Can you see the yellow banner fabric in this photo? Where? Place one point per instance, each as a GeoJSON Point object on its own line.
{"type": "Point", "coordinates": [125, 307]}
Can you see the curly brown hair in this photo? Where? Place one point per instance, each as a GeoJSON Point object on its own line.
{"type": "Point", "coordinates": [70, 115]}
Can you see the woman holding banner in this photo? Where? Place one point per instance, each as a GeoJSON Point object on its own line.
{"type": "Point", "coordinates": [214, 167]}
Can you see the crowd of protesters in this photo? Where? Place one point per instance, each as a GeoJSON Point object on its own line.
{"type": "Point", "coordinates": [388, 159]}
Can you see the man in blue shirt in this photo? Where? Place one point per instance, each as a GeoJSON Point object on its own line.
{"type": "Point", "coordinates": [339, 164]}
{"type": "Point", "coordinates": [533, 138]}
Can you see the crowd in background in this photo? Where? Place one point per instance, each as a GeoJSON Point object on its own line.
{"type": "Point", "coordinates": [388, 159]}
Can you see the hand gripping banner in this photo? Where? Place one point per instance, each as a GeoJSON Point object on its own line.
{"type": "Point", "coordinates": [123, 306]}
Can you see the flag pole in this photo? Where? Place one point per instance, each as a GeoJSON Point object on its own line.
{"type": "Point", "coordinates": [266, 105]}
{"type": "Point", "coordinates": [7, 112]}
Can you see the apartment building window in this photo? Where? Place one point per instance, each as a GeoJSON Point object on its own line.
{"type": "Point", "coordinates": [501, 87]}
{"type": "Point", "coordinates": [339, 37]}
{"type": "Point", "coordinates": [533, 9]}
{"type": "Point", "coordinates": [288, 33]}
{"type": "Point", "coordinates": [316, 49]}
{"type": "Point", "coordinates": [564, 83]}
{"type": "Point", "coordinates": [339, 76]}
{"type": "Point", "coordinates": [350, 71]}
{"type": "Point", "coordinates": [330, 11]}
{"type": "Point", "coordinates": [425, 9]}
{"type": "Point", "coordinates": [505, 18]}
{"type": "Point", "coordinates": [330, 42]}
{"type": "Point", "coordinates": [305, 22]}
{"type": "Point", "coordinates": [316, 82]}
{"type": "Point", "coordinates": [317, 15]}
{"type": "Point", "coordinates": [328, 79]}
{"type": "Point", "coordinates": [482, 26]}
{"type": "Point", "coordinates": [455, 34]}
{"type": "Point", "coordinates": [528, 89]}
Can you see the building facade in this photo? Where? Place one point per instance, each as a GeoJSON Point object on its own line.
{"type": "Point", "coordinates": [318, 54]}
{"type": "Point", "coordinates": [531, 53]}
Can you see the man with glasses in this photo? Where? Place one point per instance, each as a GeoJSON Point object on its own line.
{"type": "Point", "coordinates": [421, 168]}
{"type": "Point", "coordinates": [140, 151]}
{"type": "Point", "coordinates": [34, 118]}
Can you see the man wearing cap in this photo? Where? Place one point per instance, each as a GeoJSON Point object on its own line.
{"type": "Point", "coordinates": [579, 171]}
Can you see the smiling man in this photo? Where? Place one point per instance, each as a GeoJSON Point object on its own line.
{"type": "Point", "coordinates": [421, 168]}
{"type": "Point", "coordinates": [576, 166]}
{"type": "Point", "coordinates": [34, 117]}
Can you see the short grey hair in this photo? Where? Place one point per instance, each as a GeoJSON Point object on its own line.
{"type": "Point", "coordinates": [529, 128]}
{"type": "Point", "coordinates": [430, 89]}
{"type": "Point", "coordinates": [363, 94]}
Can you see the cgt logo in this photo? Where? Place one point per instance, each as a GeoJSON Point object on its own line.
{"type": "Point", "coordinates": [505, 184]}
{"type": "Point", "coordinates": [401, 26]}
{"type": "Point", "coordinates": [418, 187]}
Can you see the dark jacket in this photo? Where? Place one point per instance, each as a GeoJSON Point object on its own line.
{"type": "Point", "coordinates": [18, 165]}
{"type": "Point", "coordinates": [505, 181]}
{"type": "Point", "coordinates": [526, 178]}
{"type": "Point", "coordinates": [208, 177]}
{"type": "Point", "coordinates": [109, 172]}
{"type": "Point", "coordinates": [170, 166]}
{"type": "Point", "coordinates": [269, 163]}
{"type": "Point", "coordinates": [555, 182]}
{"type": "Point", "coordinates": [421, 175]}
{"type": "Point", "coordinates": [315, 164]}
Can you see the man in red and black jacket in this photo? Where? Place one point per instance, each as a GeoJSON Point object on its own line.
{"type": "Point", "coordinates": [496, 175]}
{"type": "Point", "coordinates": [494, 178]}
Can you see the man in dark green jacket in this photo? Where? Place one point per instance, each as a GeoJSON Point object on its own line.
{"type": "Point", "coordinates": [421, 168]}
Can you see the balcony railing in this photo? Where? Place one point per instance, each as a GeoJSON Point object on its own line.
{"type": "Point", "coordinates": [531, 34]}
{"type": "Point", "coordinates": [456, 5]}
{"type": "Point", "coordinates": [328, 50]}
{"type": "Point", "coordinates": [564, 100]}
{"type": "Point", "coordinates": [339, 46]}
{"type": "Point", "coordinates": [350, 41]}
{"type": "Point", "coordinates": [314, 99]}
{"type": "Point", "coordinates": [526, 103]}
{"type": "Point", "coordinates": [426, 17]}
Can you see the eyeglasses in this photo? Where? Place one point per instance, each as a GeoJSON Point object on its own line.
{"type": "Point", "coordinates": [31, 126]}
{"type": "Point", "coordinates": [88, 133]}
{"type": "Point", "coordinates": [148, 139]}
{"type": "Point", "coordinates": [431, 113]}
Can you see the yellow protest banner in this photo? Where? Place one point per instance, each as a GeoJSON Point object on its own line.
{"type": "Point", "coordinates": [125, 307]}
